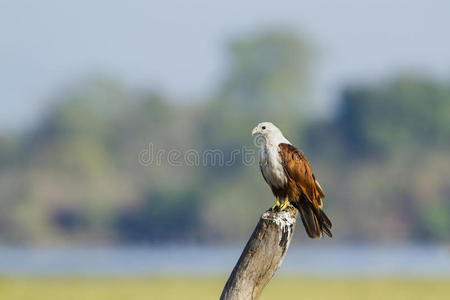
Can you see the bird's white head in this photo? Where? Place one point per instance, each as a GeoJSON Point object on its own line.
{"type": "Point", "coordinates": [269, 132]}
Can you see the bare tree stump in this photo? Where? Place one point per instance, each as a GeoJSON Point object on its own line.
{"type": "Point", "coordinates": [262, 256]}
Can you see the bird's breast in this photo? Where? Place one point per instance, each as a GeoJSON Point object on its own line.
{"type": "Point", "coordinates": [270, 162]}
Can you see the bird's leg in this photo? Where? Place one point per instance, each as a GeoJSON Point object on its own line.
{"type": "Point", "coordinates": [276, 206]}
{"type": "Point", "coordinates": [285, 204]}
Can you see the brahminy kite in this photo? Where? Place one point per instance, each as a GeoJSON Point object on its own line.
{"type": "Point", "coordinates": [288, 173]}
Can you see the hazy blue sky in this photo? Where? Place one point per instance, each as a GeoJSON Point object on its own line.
{"type": "Point", "coordinates": [178, 46]}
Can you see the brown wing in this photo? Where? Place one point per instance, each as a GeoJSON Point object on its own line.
{"type": "Point", "coordinates": [319, 190]}
{"type": "Point", "coordinates": [299, 170]}
{"type": "Point", "coordinates": [305, 193]}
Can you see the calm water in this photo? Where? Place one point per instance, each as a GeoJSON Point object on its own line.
{"type": "Point", "coordinates": [301, 260]}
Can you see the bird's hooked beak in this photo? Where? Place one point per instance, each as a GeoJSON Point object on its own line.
{"type": "Point", "coordinates": [255, 130]}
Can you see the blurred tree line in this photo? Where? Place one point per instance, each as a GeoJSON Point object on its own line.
{"type": "Point", "coordinates": [383, 158]}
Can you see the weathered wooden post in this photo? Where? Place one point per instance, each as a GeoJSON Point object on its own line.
{"type": "Point", "coordinates": [262, 256]}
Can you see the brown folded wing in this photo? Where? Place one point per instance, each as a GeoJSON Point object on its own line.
{"type": "Point", "coordinates": [299, 170]}
{"type": "Point", "coordinates": [304, 191]}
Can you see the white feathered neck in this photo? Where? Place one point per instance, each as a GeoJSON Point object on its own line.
{"type": "Point", "coordinates": [270, 160]}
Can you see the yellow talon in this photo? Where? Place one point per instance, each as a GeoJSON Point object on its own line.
{"type": "Point", "coordinates": [276, 205]}
{"type": "Point", "coordinates": [285, 204]}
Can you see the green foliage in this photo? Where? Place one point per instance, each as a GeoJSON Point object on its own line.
{"type": "Point", "coordinates": [393, 140]}
{"type": "Point", "coordinates": [383, 159]}
{"type": "Point", "coordinates": [268, 77]}
{"type": "Point", "coordinates": [161, 216]}
{"type": "Point", "coordinates": [409, 112]}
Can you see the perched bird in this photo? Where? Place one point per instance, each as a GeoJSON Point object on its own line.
{"type": "Point", "coordinates": [288, 173]}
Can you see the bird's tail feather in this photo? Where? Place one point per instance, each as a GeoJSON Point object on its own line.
{"type": "Point", "coordinates": [315, 221]}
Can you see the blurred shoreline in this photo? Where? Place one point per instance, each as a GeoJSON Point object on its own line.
{"type": "Point", "coordinates": [331, 261]}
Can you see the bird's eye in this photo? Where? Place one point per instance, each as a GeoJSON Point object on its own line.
{"type": "Point", "coordinates": [264, 127]}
